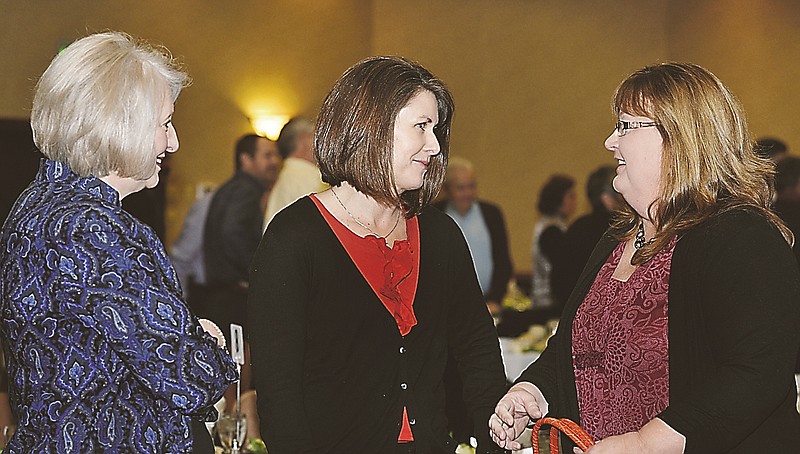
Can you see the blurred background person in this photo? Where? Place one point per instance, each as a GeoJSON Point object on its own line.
{"type": "Point", "coordinates": [787, 204]}
{"type": "Point", "coordinates": [361, 291]}
{"type": "Point", "coordinates": [681, 336]}
{"type": "Point", "coordinates": [772, 148]}
{"type": "Point", "coordinates": [557, 203]}
{"type": "Point", "coordinates": [787, 199]}
{"type": "Point", "coordinates": [484, 228]}
{"type": "Point", "coordinates": [187, 252]}
{"type": "Point", "coordinates": [102, 353]}
{"type": "Point", "coordinates": [230, 238]}
{"type": "Point", "coordinates": [300, 175]}
{"type": "Point", "coordinates": [584, 233]}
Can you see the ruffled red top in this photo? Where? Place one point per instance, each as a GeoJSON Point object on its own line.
{"type": "Point", "coordinates": [392, 273]}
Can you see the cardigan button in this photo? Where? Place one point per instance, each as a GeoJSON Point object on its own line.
{"type": "Point", "coordinates": [412, 421]}
{"type": "Point", "coordinates": [402, 350]}
{"type": "Point", "coordinates": [403, 386]}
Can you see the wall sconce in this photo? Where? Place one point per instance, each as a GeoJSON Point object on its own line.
{"type": "Point", "coordinates": [269, 125]}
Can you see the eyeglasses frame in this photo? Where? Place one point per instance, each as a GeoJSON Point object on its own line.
{"type": "Point", "coordinates": [622, 127]}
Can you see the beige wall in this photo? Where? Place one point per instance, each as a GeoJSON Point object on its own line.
{"type": "Point", "coordinates": [532, 82]}
{"type": "Point", "coordinates": [532, 79]}
{"type": "Point", "coordinates": [243, 56]}
{"type": "Point", "coordinates": [754, 47]}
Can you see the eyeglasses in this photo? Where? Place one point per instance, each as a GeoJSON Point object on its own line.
{"type": "Point", "coordinates": [622, 127]}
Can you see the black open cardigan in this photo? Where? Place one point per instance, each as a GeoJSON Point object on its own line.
{"type": "Point", "coordinates": [734, 334]}
{"type": "Point", "coordinates": [332, 371]}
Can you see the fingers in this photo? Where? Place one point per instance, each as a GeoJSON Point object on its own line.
{"type": "Point", "coordinates": [505, 443]}
{"type": "Point", "coordinates": [522, 400]}
{"type": "Point", "coordinates": [503, 412]}
{"type": "Point", "coordinates": [495, 424]}
{"type": "Point", "coordinates": [498, 430]}
{"type": "Point", "coordinates": [532, 409]}
{"type": "Point", "coordinates": [511, 415]}
{"type": "Point", "coordinates": [502, 434]}
{"type": "Point", "coordinates": [505, 434]}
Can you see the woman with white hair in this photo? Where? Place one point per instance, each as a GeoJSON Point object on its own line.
{"type": "Point", "coordinates": [103, 354]}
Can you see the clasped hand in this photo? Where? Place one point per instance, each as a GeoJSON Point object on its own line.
{"type": "Point", "coordinates": [524, 403]}
{"type": "Point", "coordinates": [513, 413]}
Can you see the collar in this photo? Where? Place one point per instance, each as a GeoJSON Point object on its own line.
{"type": "Point", "coordinates": [59, 173]}
{"type": "Point", "coordinates": [253, 181]}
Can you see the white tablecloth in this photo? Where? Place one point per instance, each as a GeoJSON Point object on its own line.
{"type": "Point", "coordinates": [514, 360]}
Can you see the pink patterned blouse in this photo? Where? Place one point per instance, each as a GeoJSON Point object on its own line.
{"type": "Point", "coordinates": [619, 347]}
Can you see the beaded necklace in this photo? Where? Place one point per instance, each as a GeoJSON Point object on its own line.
{"type": "Point", "coordinates": [639, 242]}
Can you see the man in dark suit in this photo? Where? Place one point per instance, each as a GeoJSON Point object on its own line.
{"type": "Point", "coordinates": [231, 235]}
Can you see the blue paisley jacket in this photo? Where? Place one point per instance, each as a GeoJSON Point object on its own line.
{"type": "Point", "coordinates": [103, 355]}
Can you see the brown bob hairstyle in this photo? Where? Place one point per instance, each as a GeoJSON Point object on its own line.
{"type": "Point", "coordinates": [354, 134]}
{"type": "Point", "coordinates": [708, 164]}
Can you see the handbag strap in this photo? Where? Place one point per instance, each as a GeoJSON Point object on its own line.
{"type": "Point", "coordinates": [568, 427]}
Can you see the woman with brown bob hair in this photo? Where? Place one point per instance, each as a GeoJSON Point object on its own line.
{"type": "Point", "coordinates": [682, 332]}
{"type": "Point", "coordinates": [362, 290]}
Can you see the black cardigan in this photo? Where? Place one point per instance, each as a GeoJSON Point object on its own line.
{"type": "Point", "coordinates": [734, 333]}
{"type": "Point", "coordinates": [332, 371]}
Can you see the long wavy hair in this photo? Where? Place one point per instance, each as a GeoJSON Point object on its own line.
{"type": "Point", "coordinates": [708, 164]}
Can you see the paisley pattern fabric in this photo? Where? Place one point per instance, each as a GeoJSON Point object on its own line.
{"type": "Point", "coordinates": [620, 347]}
{"type": "Point", "coordinates": [103, 355]}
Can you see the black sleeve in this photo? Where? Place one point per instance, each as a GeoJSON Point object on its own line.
{"type": "Point", "coordinates": [473, 343]}
{"type": "Point", "coordinates": [568, 263]}
{"type": "Point", "coordinates": [742, 289]}
{"type": "Point", "coordinates": [277, 300]}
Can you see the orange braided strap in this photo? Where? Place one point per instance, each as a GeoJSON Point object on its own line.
{"type": "Point", "coordinates": [570, 429]}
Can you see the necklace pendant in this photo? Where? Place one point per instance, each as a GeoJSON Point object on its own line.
{"type": "Point", "coordinates": [639, 242]}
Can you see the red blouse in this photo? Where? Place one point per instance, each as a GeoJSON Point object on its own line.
{"type": "Point", "coordinates": [620, 347]}
{"type": "Point", "coordinates": [392, 273]}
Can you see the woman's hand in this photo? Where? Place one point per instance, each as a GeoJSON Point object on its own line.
{"type": "Point", "coordinates": [513, 412]}
{"type": "Point", "coordinates": [656, 437]}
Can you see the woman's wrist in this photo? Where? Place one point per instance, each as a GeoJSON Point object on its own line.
{"type": "Point", "coordinates": [659, 438]}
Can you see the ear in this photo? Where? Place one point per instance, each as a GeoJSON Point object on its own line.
{"type": "Point", "coordinates": [245, 161]}
{"type": "Point", "coordinates": [308, 141]}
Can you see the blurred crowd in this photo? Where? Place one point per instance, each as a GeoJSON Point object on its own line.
{"type": "Point", "coordinates": [372, 281]}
